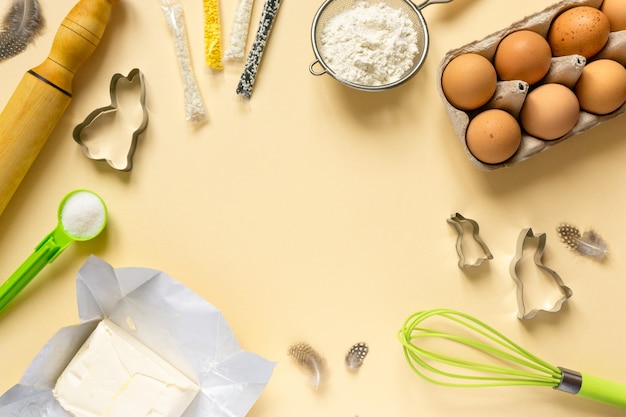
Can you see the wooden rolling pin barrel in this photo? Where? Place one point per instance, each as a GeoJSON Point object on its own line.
{"type": "Point", "coordinates": [45, 91]}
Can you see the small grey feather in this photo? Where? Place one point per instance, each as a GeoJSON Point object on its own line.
{"type": "Point", "coordinates": [20, 26]}
{"type": "Point", "coordinates": [590, 243]}
{"type": "Point", "coordinates": [309, 360]}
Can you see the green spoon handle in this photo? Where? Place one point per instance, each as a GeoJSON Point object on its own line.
{"type": "Point", "coordinates": [602, 390]}
{"type": "Point", "coordinates": [49, 248]}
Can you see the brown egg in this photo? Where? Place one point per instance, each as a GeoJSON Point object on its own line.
{"type": "Point", "coordinates": [601, 88]}
{"type": "Point", "coordinates": [468, 81]}
{"type": "Point", "coordinates": [549, 111]}
{"type": "Point", "coordinates": [523, 55]}
{"type": "Point", "coordinates": [615, 11]}
{"type": "Point", "coordinates": [493, 136]}
{"type": "Point", "coordinates": [581, 30]}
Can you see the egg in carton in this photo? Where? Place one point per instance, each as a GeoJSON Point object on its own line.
{"type": "Point", "coordinates": [510, 95]}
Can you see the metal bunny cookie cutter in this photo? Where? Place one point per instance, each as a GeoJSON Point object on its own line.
{"type": "Point", "coordinates": [535, 293]}
{"type": "Point", "coordinates": [105, 142]}
{"type": "Point", "coordinates": [461, 223]}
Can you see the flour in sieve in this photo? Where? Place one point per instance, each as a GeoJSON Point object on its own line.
{"type": "Point", "coordinates": [369, 44]}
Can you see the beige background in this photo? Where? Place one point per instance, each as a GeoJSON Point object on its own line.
{"type": "Point", "coordinates": [315, 212]}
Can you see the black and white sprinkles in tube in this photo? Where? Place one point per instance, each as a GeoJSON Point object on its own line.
{"type": "Point", "coordinates": [268, 15]}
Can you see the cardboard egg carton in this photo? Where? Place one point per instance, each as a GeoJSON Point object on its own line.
{"type": "Point", "coordinates": [510, 95]}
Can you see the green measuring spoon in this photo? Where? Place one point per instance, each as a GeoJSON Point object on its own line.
{"type": "Point", "coordinates": [82, 215]}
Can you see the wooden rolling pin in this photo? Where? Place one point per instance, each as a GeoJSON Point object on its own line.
{"type": "Point", "coordinates": [43, 94]}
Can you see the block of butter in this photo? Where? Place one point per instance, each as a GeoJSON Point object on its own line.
{"type": "Point", "coordinates": [146, 346]}
{"type": "Point", "coordinates": [115, 375]}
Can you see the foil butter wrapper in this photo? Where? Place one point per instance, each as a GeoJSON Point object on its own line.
{"type": "Point", "coordinates": [167, 317]}
{"type": "Point", "coordinates": [510, 95]}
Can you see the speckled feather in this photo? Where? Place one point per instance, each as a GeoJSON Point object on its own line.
{"type": "Point", "coordinates": [20, 26]}
{"type": "Point", "coordinates": [356, 355]}
{"type": "Point", "coordinates": [590, 243]}
{"type": "Point", "coordinates": [311, 361]}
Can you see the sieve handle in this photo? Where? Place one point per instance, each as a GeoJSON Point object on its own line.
{"type": "Point", "coordinates": [312, 70]}
{"type": "Point", "coordinates": [429, 2]}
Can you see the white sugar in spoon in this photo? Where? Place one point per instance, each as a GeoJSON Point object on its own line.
{"type": "Point", "coordinates": [82, 216]}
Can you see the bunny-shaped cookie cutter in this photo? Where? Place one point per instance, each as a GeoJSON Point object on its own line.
{"type": "Point", "coordinates": [113, 107]}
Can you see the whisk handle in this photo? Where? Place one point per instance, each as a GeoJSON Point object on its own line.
{"type": "Point", "coordinates": [592, 388]}
{"type": "Point", "coordinates": [604, 391]}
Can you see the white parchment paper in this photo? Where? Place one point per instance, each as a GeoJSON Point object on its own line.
{"type": "Point", "coordinates": [166, 316]}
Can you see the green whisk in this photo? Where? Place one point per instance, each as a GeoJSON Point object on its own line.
{"type": "Point", "coordinates": [511, 365]}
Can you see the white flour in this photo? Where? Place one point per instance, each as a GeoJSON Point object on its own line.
{"type": "Point", "coordinates": [369, 44]}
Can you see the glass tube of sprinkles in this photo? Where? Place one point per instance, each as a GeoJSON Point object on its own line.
{"type": "Point", "coordinates": [212, 35]}
{"type": "Point", "coordinates": [268, 15]}
{"type": "Point", "coordinates": [195, 111]}
{"type": "Point", "coordinates": [239, 31]}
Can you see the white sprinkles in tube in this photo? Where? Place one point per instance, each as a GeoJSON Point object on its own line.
{"type": "Point", "coordinates": [239, 31]}
{"type": "Point", "coordinates": [268, 15]}
{"type": "Point", "coordinates": [194, 106]}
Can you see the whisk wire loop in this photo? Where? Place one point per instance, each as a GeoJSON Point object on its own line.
{"type": "Point", "coordinates": [528, 369]}
{"type": "Point", "coordinates": [483, 329]}
{"type": "Point", "coordinates": [502, 375]}
{"type": "Point", "coordinates": [478, 365]}
{"type": "Point", "coordinates": [517, 356]}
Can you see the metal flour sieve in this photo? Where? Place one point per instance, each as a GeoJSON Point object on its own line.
{"type": "Point", "coordinates": [331, 8]}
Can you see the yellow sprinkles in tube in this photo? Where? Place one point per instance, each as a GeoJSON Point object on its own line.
{"type": "Point", "coordinates": [212, 35]}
